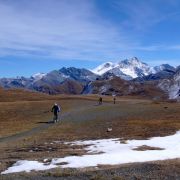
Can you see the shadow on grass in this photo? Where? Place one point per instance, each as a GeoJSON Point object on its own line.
{"type": "Point", "coordinates": [46, 122]}
{"type": "Point", "coordinates": [97, 105]}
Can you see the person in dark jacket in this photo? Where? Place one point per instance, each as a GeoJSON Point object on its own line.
{"type": "Point", "coordinates": [114, 100]}
{"type": "Point", "coordinates": [100, 100]}
{"type": "Point", "coordinates": [55, 110]}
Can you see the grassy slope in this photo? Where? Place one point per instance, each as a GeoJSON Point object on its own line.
{"type": "Point", "coordinates": [130, 118]}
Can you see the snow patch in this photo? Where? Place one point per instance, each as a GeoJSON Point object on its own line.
{"type": "Point", "coordinates": [104, 88]}
{"type": "Point", "coordinates": [38, 76]}
{"type": "Point", "coordinates": [100, 70]}
{"type": "Point", "coordinates": [129, 72]}
{"type": "Point", "coordinates": [25, 165]}
{"type": "Point", "coordinates": [110, 151]}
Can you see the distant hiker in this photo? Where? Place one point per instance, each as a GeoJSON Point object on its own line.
{"type": "Point", "coordinates": [100, 100]}
{"type": "Point", "coordinates": [114, 100]}
{"type": "Point", "coordinates": [55, 110]}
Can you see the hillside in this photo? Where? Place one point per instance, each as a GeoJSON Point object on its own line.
{"type": "Point", "coordinates": [119, 87]}
{"type": "Point", "coordinates": [7, 95]}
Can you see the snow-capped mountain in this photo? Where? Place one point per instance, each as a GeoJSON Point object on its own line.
{"type": "Point", "coordinates": [163, 71]}
{"type": "Point", "coordinates": [132, 68]}
{"type": "Point", "coordinates": [163, 67]}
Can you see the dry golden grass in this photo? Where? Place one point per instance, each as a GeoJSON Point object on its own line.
{"type": "Point", "coordinates": [146, 148]}
{"type": "Point", "coordinates": [129, 118]}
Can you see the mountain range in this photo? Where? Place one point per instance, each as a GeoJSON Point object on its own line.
{"type": "Point", "coordinates": [126, 77]}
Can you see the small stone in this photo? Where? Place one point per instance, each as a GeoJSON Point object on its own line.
{"type": "Point", "coordinates": [109, 129]}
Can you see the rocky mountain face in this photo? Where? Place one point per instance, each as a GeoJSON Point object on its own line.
{"type": "Point", "coordinates": [163, 71]}
{"type": "Point", "coordinates": [172, 85]}
{"type": "Point", "coordinates": [66, 80]}
{"type": "Point", "coordinates": [127, 77]}
{"type": "Point", "coordinates": [19, 82]}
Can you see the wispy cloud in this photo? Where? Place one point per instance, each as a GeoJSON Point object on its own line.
{"type": "Point", "coordinates": [142, 15]}
{"type": "Point", "coordinates": [75, 29]}
{"type": "Point", "coordinates": [61, 29]}
{"type": "Point", "coordinates": [160, 47]}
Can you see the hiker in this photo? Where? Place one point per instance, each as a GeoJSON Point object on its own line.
{"type": "Point", "coordinates": [114, 100]}
{"type": "Point", "coordinates": [100, 100]}
{"type": "Point", "coordinates": [55, 110]}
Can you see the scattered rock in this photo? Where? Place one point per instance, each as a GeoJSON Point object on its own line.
{"type": "Point", "coordinates": [109, 129]}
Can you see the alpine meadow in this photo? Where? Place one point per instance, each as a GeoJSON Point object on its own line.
{"type": "Point", "coordinates": [89, 90]}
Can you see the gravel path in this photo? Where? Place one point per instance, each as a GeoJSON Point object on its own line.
{"type": "Point", "coordinates": [30, 132]}
{"type": "Point", "coordinates": [45, 125]}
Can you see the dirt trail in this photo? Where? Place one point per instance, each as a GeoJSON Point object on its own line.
{"type": "Point", "coordinates": [44, 126]}
{"type": "Point", "coordinates": [30, 132]}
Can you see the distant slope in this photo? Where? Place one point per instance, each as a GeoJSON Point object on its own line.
{"type": "Point", "coordinates": [163, 71]}
{"type": "Point", "coordinates": [120, 87]}
{"type": "Point", "coordinates": [64, 81]}
{"type": "Point", "coordinates": [66, 87]}
{"type": "Point", "coordinates": [172, 85]}
{"type": "Point", "coordinates": [20, 95]}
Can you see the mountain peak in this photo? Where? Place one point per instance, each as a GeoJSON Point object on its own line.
{"type": "Point", "coordinates": [134, 60]}
{"type": "Point", "coordinates": [131, 67]}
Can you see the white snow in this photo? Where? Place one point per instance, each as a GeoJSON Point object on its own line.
{"type": "Point", "coordinates": [108, 151]}
{"type": "Point", "coordinates": [38, 76]}
{"type": "Point", "coordinates": [131, 67]}
{"type": "Point", "coordinates": [103, 68]}
{"type": "Point", "coordinates": [65, 76]}
{"type": "Point", "coordinates": [25, 165]}
{"type": "Point", "coordinates": [130, 72]}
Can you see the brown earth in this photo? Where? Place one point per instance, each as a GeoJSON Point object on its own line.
{"type": "Point", "coordinates": [116, 85]}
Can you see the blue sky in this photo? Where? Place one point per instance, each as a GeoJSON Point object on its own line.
{"type": "Point", "coordinates": [43, 35]}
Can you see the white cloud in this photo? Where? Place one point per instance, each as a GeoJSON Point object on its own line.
{"type": "Point", "coordinates": [62, 29]}
{"type": "Point", "coordinates": [142, 15]}
{"type": "Point", "coordinates": [75, 29]}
